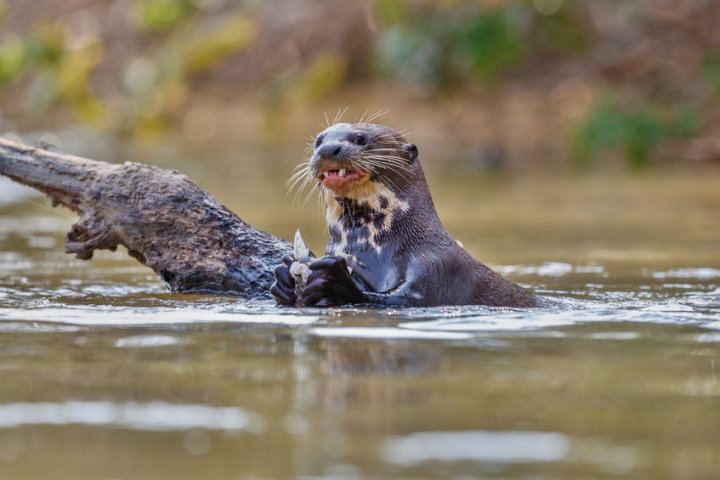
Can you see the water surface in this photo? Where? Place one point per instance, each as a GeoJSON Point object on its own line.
{"type": "Point", "coordinates": [106, 375]}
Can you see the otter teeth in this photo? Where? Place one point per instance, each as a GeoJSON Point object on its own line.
{"type": "Point", "coordinates": [342, 173]}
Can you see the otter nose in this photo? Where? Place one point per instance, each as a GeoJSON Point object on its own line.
{"type": "Point", "coordinates": [331, 150]}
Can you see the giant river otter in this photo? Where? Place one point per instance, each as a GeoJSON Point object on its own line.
{"type": "Point", "coordinates": [387, 246]}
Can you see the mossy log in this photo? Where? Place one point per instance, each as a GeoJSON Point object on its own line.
{"type": "Point", "coordinates": [162, 217]}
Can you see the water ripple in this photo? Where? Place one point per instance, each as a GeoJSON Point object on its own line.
{"type": "Point", "coordinates": [155, 416]}
{"type": "Point", "coordinates": [479, 446]}
{"type": "Point", "coordinates": [148, 316]}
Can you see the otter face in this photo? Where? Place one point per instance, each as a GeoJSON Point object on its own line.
{"type": "Point", "coordinates": [335, 158]}
{"type": "Point", "coordinates": [351, 159]}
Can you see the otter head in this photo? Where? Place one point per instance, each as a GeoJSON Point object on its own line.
{"type": "Point", "coordinates": [354, 160]}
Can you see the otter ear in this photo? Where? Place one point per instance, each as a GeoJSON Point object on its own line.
{"type": "Point", "coordinates": [411, 150]}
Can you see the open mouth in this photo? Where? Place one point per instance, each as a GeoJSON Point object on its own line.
{"type": "Point", "coordinates": [338, 178]}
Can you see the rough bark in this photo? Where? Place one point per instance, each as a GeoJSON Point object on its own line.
{"type": "Point", "coordinates": [162, 217]}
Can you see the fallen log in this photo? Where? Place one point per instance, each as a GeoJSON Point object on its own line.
{"type": "Point", "coordinates": [162, 217]}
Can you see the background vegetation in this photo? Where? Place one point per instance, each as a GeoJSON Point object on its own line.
{"type": "Point", "coordinates": [514, 83]}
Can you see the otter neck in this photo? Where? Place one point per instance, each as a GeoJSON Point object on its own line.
{"type": "Point", "coordinates": [358, 224]}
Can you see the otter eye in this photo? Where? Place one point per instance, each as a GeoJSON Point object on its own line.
{"type": "Point", "coordinates": [360, 140]}
{"type": "Point", "coordinates": [318, 141]}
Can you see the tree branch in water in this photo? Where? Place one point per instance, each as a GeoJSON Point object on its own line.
{"type": "Point", "coordinates": [162, 217]}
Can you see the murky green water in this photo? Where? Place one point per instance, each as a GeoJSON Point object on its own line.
{"type": "Point", "coordinates": [105, 375]}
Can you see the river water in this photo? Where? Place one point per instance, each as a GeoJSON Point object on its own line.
{"type": "Point", "coordinates": [106, 375]}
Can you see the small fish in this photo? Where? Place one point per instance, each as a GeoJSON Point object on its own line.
{"type": "Point", "coordinates": [299, 269]}
{"type": "Point", "coordinates": [301, 251]}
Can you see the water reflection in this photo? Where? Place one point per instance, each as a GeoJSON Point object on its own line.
{"type": "Point", "coordinates": [493, 451]}
{"type": "Point", "coordinates": [129, 316]}
{"type": "Point", "coordinates": [386, 333]}
{"type": "Point", "coordinates": [479, 446]}
{"type": "Point", "coordinates": [370, 358]}
{"type": "Point", "coordinates": [147, 341]}
{"type": "Point", "coordinates": [618, 376]}
{"type": "Point", "coordinates": [156, 416]}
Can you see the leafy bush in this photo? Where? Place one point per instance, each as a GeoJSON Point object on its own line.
{"type": "Point", "coordinates": [635, 131]}
{"type": "Point", "coordinates": [439, 48]}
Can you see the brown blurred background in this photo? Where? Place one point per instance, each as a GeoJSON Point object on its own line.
{"type": "Point", "coordinates": [508, 83]}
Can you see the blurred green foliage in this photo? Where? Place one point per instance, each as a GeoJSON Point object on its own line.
{"type": "Point", "coordinates": [712, 72]}
{"type": "Point", "coordinates": [162, 15]}
{"type": "Point", "coordinates": [56, 66]}
{"type": "Point", "coordinates": [326, 73]}
{"type": "Point", "coordinates": [57, 70]}
{"type": "Point", "coordinates": [634, 131]}
{"type": "Point", "coordinates": [214, 43]}
{"type": "Point", "coordinates": [45, 43]}
{"type": "Point", "coordinates": [452, 44]}
{"type": "Point", "coordinates": [12, 58]}
{"type": "Point", "coordinates": [169, 47]}
{"type": "Point", "coordinates": [158, 87]}
{"type": "Point", "coordinates": [490, 43]}
{"type": "Point", "coordinates": [563, 31]}
{"type": "Point", "coordinates": [440, 49]}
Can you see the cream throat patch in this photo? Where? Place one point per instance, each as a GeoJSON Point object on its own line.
{"type": "Point", "coordinates": [361, 220]}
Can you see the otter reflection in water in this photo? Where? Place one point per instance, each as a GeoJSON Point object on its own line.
{"type": "Point", "coordinates": [387, 245]}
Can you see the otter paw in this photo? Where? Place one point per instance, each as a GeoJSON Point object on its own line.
{"type": "Point", "coordinates": [284, 287]}
{"type": "Point", "coordinates": [330, 284]}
